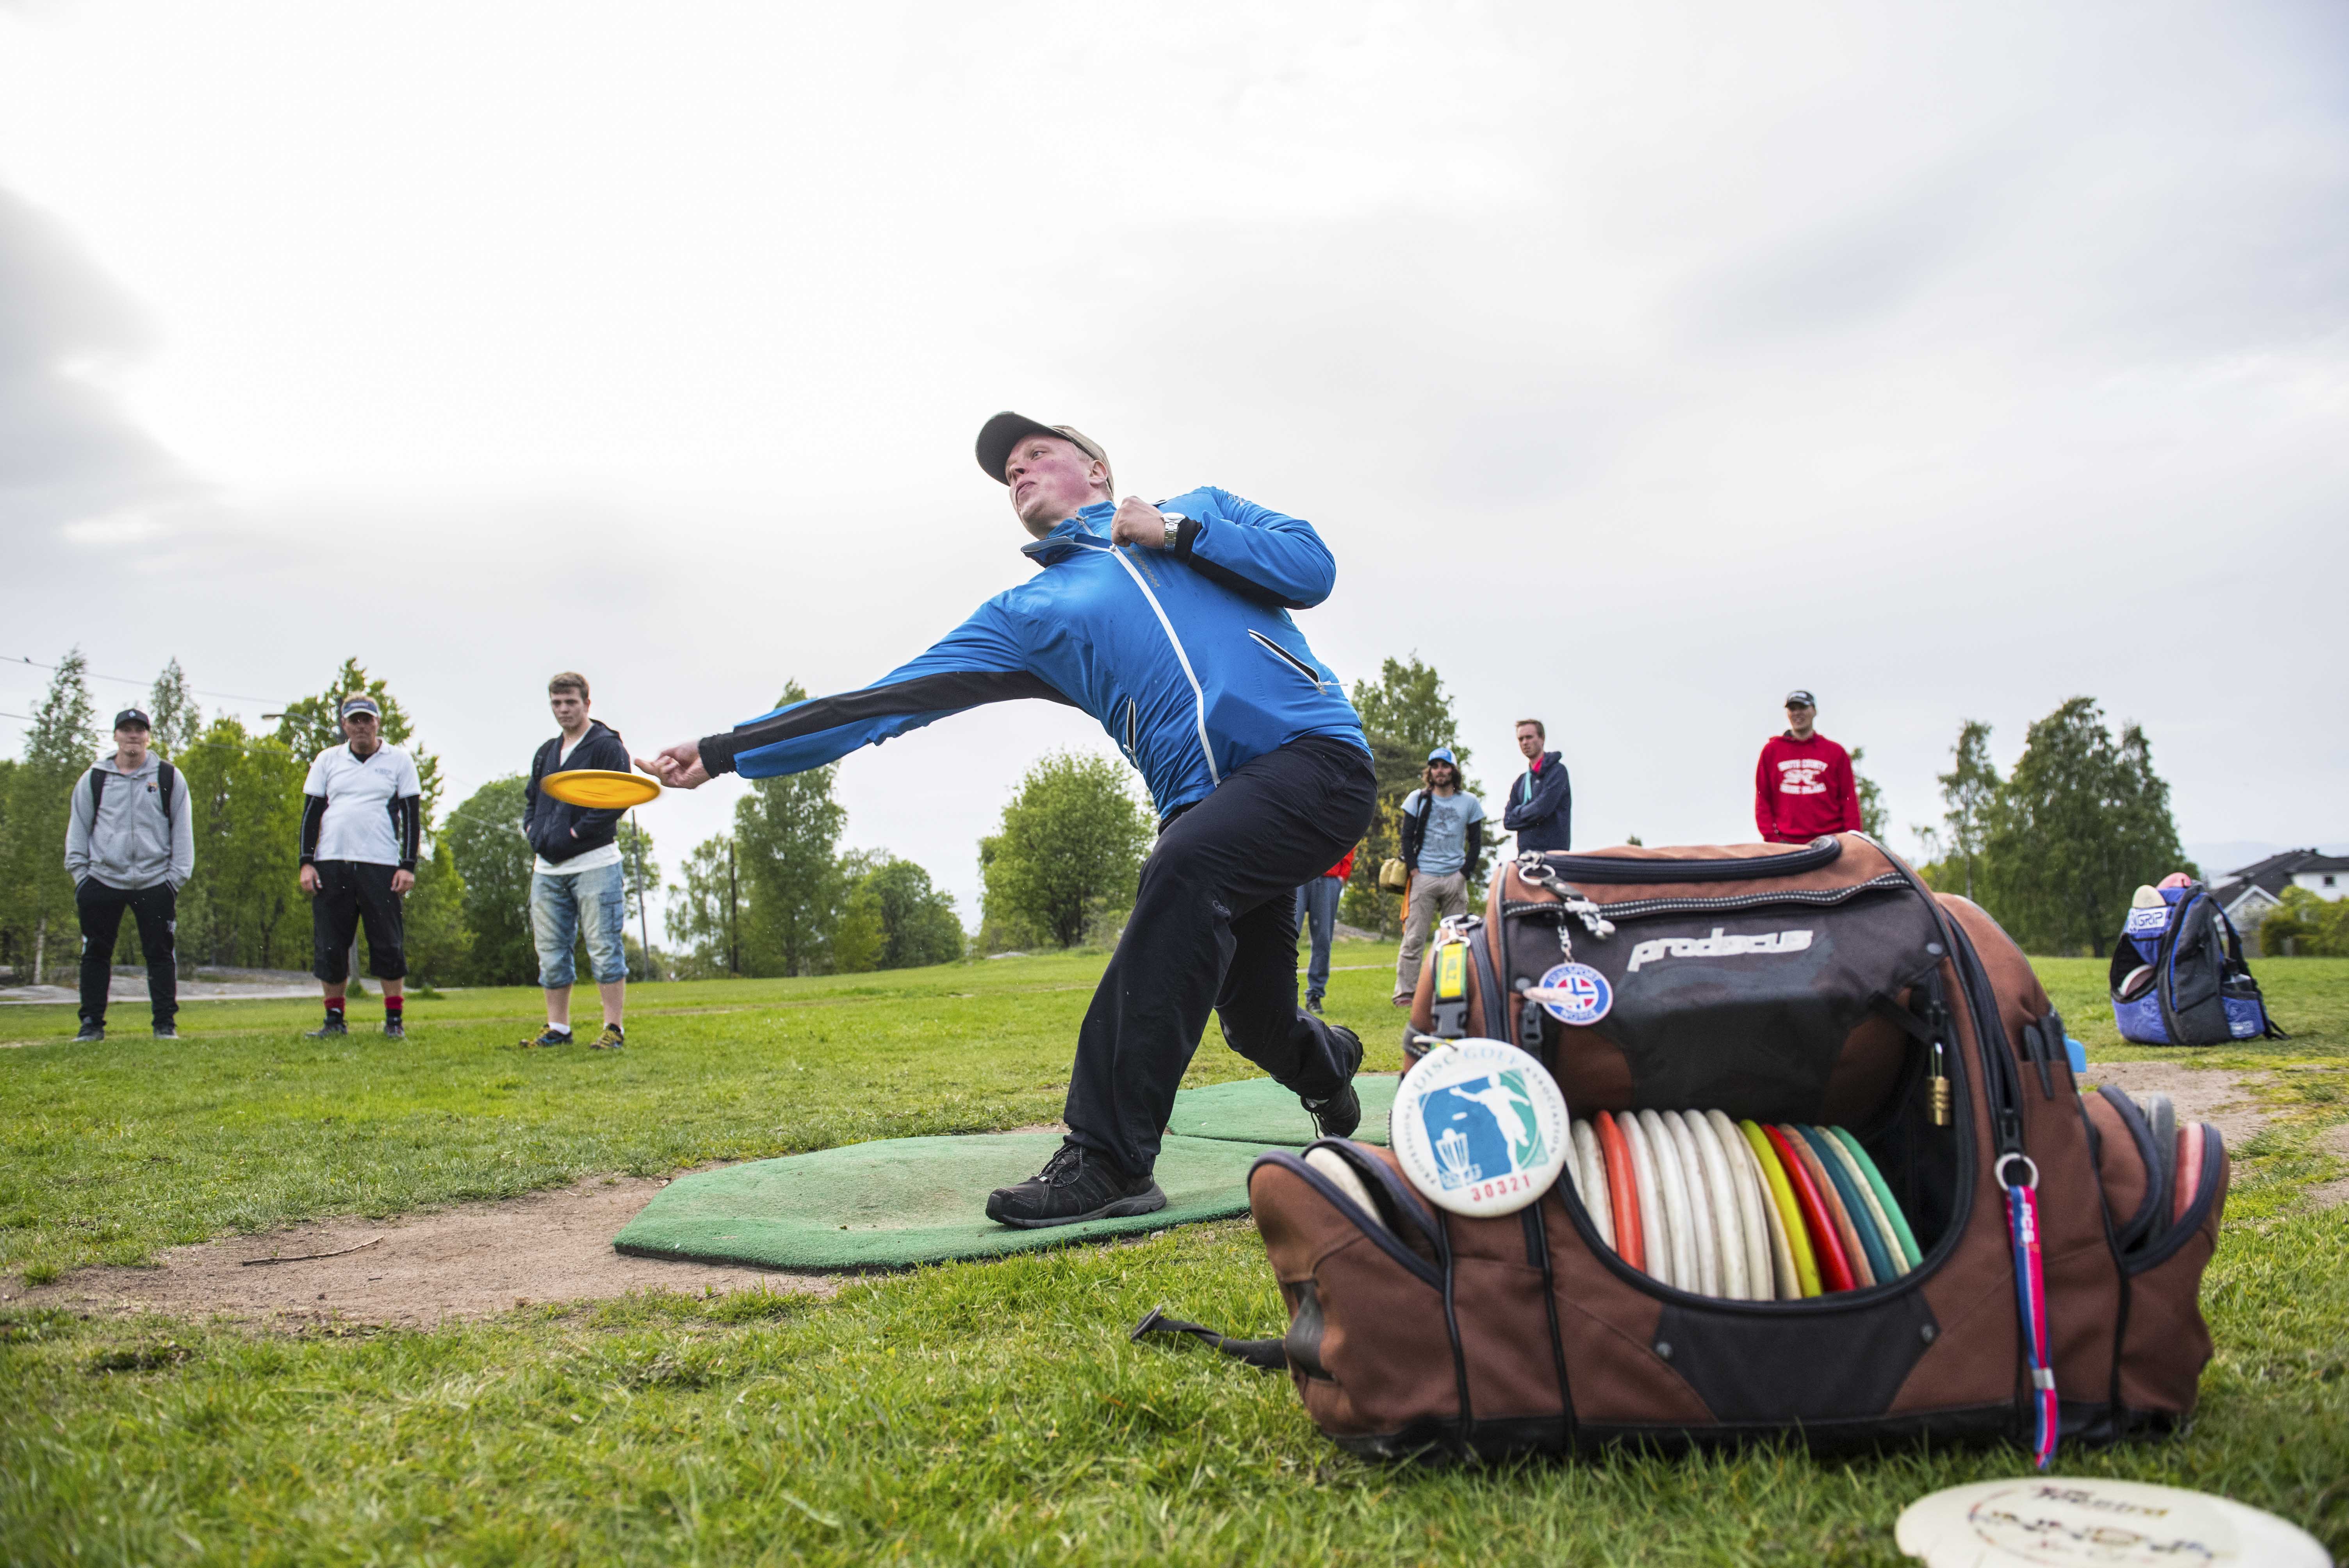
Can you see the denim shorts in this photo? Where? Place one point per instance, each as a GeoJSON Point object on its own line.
{"type": "Point", "coordinates": [562, 906]}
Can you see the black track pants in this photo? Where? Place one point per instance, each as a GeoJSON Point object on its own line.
{"type": "Point", "coordinates": [1215, 926]}
{"type": "Point", "coordinates": [350, 892]}
{"type": "Point", "coordinates": [156, 909]}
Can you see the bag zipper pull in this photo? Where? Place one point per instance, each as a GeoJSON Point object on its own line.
{"type": "Point", "coordinates": [1939, 1085]}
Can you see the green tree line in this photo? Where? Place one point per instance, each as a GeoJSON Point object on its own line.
{"type": "Point", "coordinates": [2054, 850]}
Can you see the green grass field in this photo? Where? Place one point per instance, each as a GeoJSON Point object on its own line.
{"type": "Point", "coordinates": [985, 1412]}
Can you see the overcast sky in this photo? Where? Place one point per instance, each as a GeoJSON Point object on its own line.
{"type": "Point", "coordinates": [1638, 363]}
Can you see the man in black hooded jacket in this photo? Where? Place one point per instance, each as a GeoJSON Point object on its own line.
{"type": "Point", "coordinates": [578, 882]}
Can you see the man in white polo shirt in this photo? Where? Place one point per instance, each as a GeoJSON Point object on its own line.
{"type": "Point", "coordinates": [362, 819]}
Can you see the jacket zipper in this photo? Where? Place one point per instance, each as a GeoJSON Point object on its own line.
{"type": "Point", "coordinates": [1129, 730]}
{"type": "Point", "coordinates": [1285, 656]}
{"type": "Point", "coordinates": [1199, 693]}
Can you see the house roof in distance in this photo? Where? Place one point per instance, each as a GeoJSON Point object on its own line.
{"type": "Point", "coordinates": [2275, 873]}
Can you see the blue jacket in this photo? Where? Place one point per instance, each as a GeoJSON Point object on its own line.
{"type": "Point", "coordinates": [1541, 807]}
{"type": "Point", "coordinates": [1187, 656]}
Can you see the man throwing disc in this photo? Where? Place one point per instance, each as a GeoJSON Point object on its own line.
{"type": "Point", "coordinates": [1168, 624]}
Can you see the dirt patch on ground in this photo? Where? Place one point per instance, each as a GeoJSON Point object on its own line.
{"type": "Point", "coordinates": [427, 1269]}
{"type": "Point", "coordinates": [2333, 1140]}
{"type": "Point", "coordinates": [2222, 1098]}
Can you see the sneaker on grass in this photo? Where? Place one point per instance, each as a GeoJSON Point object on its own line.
{"type": "Point", "coordinates": [90, 1032]}
{"type": "Point", "coordinates": [166, 1032]}
{"type": "Point", "coordinates": [1338, 1115]}
{"type": "Point", "coordinates": [547, 1039]}
{"type": "Point", "coordinates": [332, 1030]}
{"type": "Point", "coordinates": [394, 1029]}
{"type": "Point", "coordinates": [613, 1038]}
{"type": "Point", "coordinates": [1077, 1183]}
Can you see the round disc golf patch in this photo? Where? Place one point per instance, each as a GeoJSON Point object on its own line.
{"type": "Point", "coordinates": [2056, 1519]}
{"type": "Point", "coordinates": [1575, 993]}
{"type": "Point", "coordinates": [1480, 1128]}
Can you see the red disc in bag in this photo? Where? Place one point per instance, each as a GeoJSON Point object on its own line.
{"type": "Point", "coordinates": [1826, 1242]}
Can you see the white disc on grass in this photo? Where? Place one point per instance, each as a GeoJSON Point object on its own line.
{"type": "Point", "coordinates": [1480, 1128]}
{"type": "Point", "coordinates": [2123, 1523]}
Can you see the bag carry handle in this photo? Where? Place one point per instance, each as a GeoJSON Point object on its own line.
{"type": "Point", "coordinates": [1820, 851]}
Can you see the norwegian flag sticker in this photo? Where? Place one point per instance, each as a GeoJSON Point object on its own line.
{"type": "Point", "coordinates": [1575, 993]}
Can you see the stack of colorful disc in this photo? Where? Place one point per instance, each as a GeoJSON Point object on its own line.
{"type": "Point", "coordinates": [1738, 1209]}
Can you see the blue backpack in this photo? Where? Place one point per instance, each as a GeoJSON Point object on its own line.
{"type": "Point", "coordinates": [2178, 977]}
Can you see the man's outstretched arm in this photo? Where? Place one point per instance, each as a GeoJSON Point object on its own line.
{"type": "Point", "coordinates": [979, 662]}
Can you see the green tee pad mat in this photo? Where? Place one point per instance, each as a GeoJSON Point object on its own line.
{"type": "Point", "coordinates": [1258, 1111]}
{"type": "Point", "coordinates": [897, 1202]}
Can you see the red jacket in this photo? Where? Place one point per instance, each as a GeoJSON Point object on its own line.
{"type": "Point", "coordinates": [1803, 789]}
{"type": "Point", "coordinates": [1344, 868]}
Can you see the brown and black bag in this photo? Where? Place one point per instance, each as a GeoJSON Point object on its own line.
{"type": "Point", "coordinates": [1905, 1016]}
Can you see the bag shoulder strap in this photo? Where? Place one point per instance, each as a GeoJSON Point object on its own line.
{"type": "Point", "coordinates": [96, 793]}
{"type": "Point", "coordinates": [167, 779]}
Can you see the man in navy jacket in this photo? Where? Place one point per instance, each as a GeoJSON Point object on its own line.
{"type": "Point", "coordinates": [1541, 802]}
{"type": "Point", "coordinates": [1169, 625]}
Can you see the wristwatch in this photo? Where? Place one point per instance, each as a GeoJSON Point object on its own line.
{"type": "Point", "coordinates": [1174, 520]}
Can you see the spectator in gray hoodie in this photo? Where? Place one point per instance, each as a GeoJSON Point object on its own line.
{"type": "Point", "coordinates": [129, 845]}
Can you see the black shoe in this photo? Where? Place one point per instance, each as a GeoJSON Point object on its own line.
{"type": "Point", "coordinates": [1313, 1006]}
{"type": "Point", "coordinates": [1077, 1183]}
{"type": "Point", "coordinates": [1338, 1115]}
{"type": "Point", "coordinates": [394, 1029]}
{"type": "Point", "coordinates": [332, 1030]}
{"type": "Point", "coordinates": [165, 1032]}
{"type": "Point", "coordinates": [90, 1033]}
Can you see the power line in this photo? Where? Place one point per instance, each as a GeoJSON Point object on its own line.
{"type": "Point", "coordinates": [126, 680]}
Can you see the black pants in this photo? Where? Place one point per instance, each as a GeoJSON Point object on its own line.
{"type": "Point", "coordinates": [1215, 925]}
{"type": "Point", "coordinates": [156, 909]}
{"type": "Point", "coordinates": [348, 893]}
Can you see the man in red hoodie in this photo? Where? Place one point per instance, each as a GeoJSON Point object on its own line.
{"type": "Point", "coordinates": [1803, 786]}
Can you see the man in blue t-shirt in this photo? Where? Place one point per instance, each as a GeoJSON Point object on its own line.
{"type": "Point", "coordinates": [1442, 837]}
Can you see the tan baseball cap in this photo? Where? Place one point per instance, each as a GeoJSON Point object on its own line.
{"type": "Point", "coordinates": [1006, 429]}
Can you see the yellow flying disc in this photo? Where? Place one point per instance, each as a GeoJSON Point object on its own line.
{"type": "Point", "coordinates": [601, 788]}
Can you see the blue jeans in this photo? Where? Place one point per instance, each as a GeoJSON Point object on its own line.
{"type": "Point", "coordinates": [1316, 910]}
{"type": "Point", "coordinates": [561, 905]}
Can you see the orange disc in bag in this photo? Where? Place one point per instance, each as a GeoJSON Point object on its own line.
{"type": "Point", "coordinates": [1622, 1194]}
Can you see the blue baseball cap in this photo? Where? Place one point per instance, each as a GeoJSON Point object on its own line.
{"type": "Point", "coordinates": [1443, 754]}
{"type": "Point", "coordinates": [361, 704]}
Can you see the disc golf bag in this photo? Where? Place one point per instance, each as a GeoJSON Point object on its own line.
{"type": "Point", "coordinates": [1825, 985]}
{"type": "Point", "coordinates": [2180, 977]}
